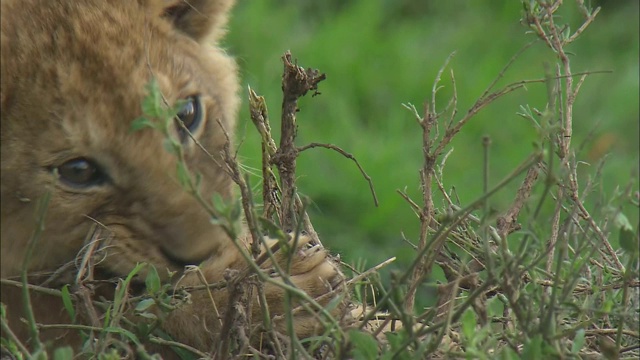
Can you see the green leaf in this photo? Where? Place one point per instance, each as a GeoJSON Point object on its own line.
{"type": "Point", "coordinates": [509, 354]}
{"type": "Point", "coordinates": [180, 352]}
{"type": "Point", "coordinates": [144, 305]}
{"type": "Point", "coordinates": [397, 341]}
{"type": "Point", "coordinates": [469, 323]}
{"type": "Point", "coordinates": [11, 348]}
{"type": "Point", "coordinates": [621, 221]}
{"type": "Point", "coordinates": [578, 342]}
{"type": "Point", "coordinates": [183, 175]}
{"type": "Point", "coordinates": [170, 146]}
{"type": "Point", "coordinates": [68, 304]}
{"type": "Point", "coordinates": [143, 330]}
{"type": "Point", "coordinates": [40, 354]}
{"type": "Point", "coordinates": [134, 272]}
{"type": "Point", "coordinates": [532, 349]}
{"type": "Point", "coordinates": [218, 204]}
{"type": "Point", "coordinates": [152, 103]}
{"type": "Point", "coordinates": [141, 123]}
{"type": "Point", "coordinates": [122, 287]}
{"type": "Point", "coordinates": [628, 241]}
{"type": "Point", "coordinates": [394, 339]}
{"type": "Point", "coordinates": [566, 33]}
{"type": "Point", "coordinates": [176, 108]}
{"type": "Point", "coordinates": [495, 307]}
{"type": "Point", "coordinates": [365, 347]}
{"type": "Point", "coordinates": [148, 315]}
{"type": "Point", "coordinates": [107, 316]}
{"type": "Point", "coordinates": [236, 211]}
{"type": "Point", "coordinates": [152, 281]}
{"type": "Point", "coordinates": [63, 353]}
{"type": "Point", "coordinates": [273, 230]}
{"type": "Point", "coordinates": [109, 354]}
{"type": "Point", "coordinates": [217, 221]}
{"type": "Point", "coordinates": [333, 304]}
{"type": "Point", "coordinates": [126, 333]}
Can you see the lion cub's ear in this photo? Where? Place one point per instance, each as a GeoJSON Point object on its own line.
{"type": "Point", "coordinates": [203, 20]}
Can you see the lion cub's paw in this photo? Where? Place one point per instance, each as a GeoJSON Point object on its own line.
{"type": "Point", "coordinates": [310, 268]}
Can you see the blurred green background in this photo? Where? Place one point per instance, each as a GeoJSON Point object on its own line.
{"type": "Point", "coordinates": [380, 54]}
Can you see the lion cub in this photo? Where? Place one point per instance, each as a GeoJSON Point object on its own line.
{"type": "Point", "coordinates": [73, 80]}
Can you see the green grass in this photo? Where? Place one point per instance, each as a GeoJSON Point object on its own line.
{"type": "Point", "coordinates": [380, 54]}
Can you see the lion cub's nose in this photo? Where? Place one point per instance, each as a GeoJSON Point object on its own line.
{"type": "Point", "coordinates": [190, 243]}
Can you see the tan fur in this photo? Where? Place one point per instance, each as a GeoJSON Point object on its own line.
{"type": "Point", "coordinates": [73, 80]}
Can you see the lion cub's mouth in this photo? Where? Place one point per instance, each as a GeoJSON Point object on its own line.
{"type": "Point", "coordinates": [180, 263]}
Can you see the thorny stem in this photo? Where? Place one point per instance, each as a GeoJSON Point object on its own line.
{"type": "Point", "coordinates": [437, 239]}
{"type": "Point", "coordinates": [296, 82]}
{"type": "Point", "coordinates": [432, 149]}
{"type": "Point", "coordinates": [260, 118]}
{"type": "Point", "coordinates": [426, 214]}
{"type": "Point", "coordinates": [556, 41]}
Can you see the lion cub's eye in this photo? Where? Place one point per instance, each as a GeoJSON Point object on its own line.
{"type": "Point", "coordinates": [190, 115]}
{"type": "Point", "coordinates": [80, 172]}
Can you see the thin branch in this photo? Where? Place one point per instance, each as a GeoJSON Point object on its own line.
{"type": "Point", "coordinates": [348, 156]}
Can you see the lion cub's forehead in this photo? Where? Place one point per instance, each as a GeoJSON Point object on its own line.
{"type": "Point", "coordinates": [94, 56]}
{"type": "Point", "coordinates": [85, 79]}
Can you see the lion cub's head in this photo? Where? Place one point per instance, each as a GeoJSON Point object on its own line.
{"type": "Point", "coordinates": [74, 75]}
